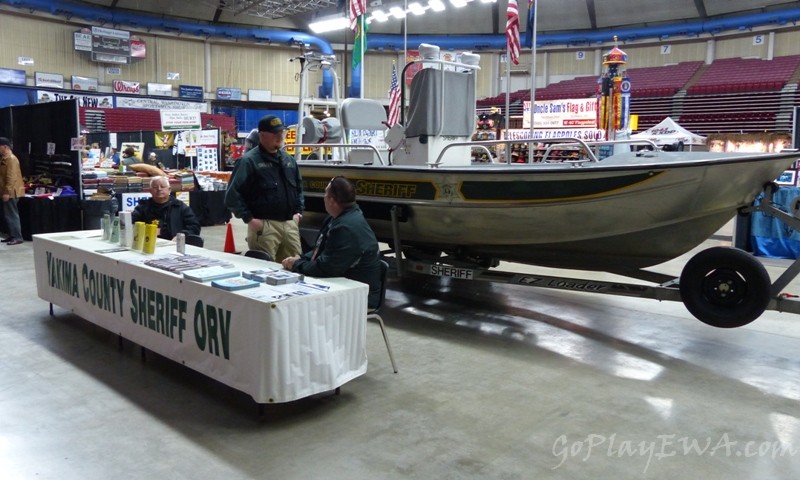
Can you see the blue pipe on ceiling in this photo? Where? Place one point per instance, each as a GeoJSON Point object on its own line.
{"type": "Point", "coordinates": [103, 15]}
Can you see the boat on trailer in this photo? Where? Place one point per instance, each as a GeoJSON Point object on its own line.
{"type": "Point", "coordinates": [619, 214]}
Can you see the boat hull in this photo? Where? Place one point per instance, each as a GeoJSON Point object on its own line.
{"type": "Point", "coordinates": [621, 214]}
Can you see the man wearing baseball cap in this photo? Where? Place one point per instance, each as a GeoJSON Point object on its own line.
{"type": "Point", "coordinates": [266, 192]}
{"type": "Point", "coordinates": [11, 188]}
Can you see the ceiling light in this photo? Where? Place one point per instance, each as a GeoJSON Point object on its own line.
{"type": "Point", "coordinates": [488, 1]}
{"type": "Point", "coordinates": [397, 12]}
{"type": "Point", "coordinates": [416, 8]}
{"type": "Point", "coordinates": [380, 15]}
{"type": "Point", "coordinates": [459, 3]}
{"type": "Point", "coordinates": [436, 5]}
{"type": "Point", "coordinates": [329, 25]}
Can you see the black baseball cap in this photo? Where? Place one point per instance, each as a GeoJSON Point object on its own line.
{"type": "Point", "coordinates": [271, 124]}
{"type": "Point", "coordinates": [5, 141]}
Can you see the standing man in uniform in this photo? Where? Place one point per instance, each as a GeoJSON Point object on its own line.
{"type": "Point", "coordinates": [266, 192]}
{"type": "Point", "coordinates": [12, 188]}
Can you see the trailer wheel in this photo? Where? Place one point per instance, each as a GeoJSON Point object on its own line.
{"type": "Point", "coordinates": [725, 287]}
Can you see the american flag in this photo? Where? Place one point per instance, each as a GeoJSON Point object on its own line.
{"type": "Point", "coordinates": [357, 8]}
{"type": "Point", "coordinates": [512, 31]}
{"type": "Point", "coordinates": [394, 99]}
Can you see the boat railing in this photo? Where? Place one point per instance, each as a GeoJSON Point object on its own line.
{"type": "Point", "coordinates": [589, 154]}
{"type": "Point", "coordinates": [344, 146]}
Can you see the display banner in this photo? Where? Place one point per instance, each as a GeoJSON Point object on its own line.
{"type": "Point", "coordinates": [130, 200]}
{"type": "Point", "coordinates": [246, 339]}
{"type": "Point", "coordinates": [84, 83]}
{"type": "Point", "coordinates": [158, 104]}
{"type": "Point", "coordinates": [225, 93]}
{"type": "Point", "coordinates": [122, 86]}
{"type": "Point", "coordinates": [94, 101]}
{"type": "Point", "coordinates": [254, 95]}
{"type": "Point", "coordinates": [191, 92]}
{"type": "Point", "coordinates": [12, 76]}
{"type": "Point", "coordinates": [48, 80]}
{"type": "Point", "coordinates": [586, 134]}
{"type": "Point", "coordinates": [160, 89]}
{"type": "Point", "coordinates": [569, 113]}
{"type": "Point", "coordinates": [172, 120]}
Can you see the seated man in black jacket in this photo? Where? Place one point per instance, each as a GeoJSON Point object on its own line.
{"type": "Point", "coordinates": [173, 216]}
{"type": "Point", "coordinates": [346, 245]}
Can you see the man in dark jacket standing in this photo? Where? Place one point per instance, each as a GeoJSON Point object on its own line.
{"type": "Point", "coordinates": [173, 215]}
{"type": "Point", "coordinates": [266, 192]}
{"type": "Point", "coordinates": [346, 245]}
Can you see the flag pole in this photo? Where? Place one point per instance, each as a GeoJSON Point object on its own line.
{"type": "Point", "coordinates": [362, 20]}
{"type": "Point", "coordinates": [533, 65]}
{"type": "Point", "coordinates": [507, 123]}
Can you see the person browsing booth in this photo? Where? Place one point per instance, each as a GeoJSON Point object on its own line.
{"type": "Point", "coordinates": [346, 245]}
{"type": "Point", "coordinates": [12, 189]}
{"type": "Point", "coordinates": [173, 215]}
{"type": "Point", "coordinates": [266, 192]}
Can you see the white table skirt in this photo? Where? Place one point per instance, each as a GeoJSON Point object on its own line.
{"type": "Point", "coordinates": [274, 350]}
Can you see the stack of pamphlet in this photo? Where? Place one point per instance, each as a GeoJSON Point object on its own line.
{"type": "Point", "coordinates": [182, 263]}
{"type": "Point", "coordinates": [258, 275]}
{"type": "Point", "coordinates": [279, 277]}
{"type": "Point", "coordinates": [206, 274]}
{"type": "Point", "coordinates": [235, 283]}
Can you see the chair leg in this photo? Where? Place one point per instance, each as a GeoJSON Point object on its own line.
{"type": "Point", "coordinates": [385, 339]}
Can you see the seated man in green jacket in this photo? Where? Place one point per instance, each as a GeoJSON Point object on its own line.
{"type": "Point", "coordinates": [346, 245]}
{"type": "Point", "coordinates": [173, 215]}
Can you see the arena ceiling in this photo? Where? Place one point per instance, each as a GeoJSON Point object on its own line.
{"type": "Point", "coordinates": [476, 18]}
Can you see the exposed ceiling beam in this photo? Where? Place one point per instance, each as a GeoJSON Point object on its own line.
{"type": "Point", "coordinates": [700, 5]}
{"type": "Point", "coordinates": [218, 12]}
{"type": "Point", "coordinates": [592, 13]}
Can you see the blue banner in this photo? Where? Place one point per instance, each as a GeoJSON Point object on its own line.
{"type": "Point", "coordinates": [190, 92]}
{"type": "Point", "coordinates": [12, 76]}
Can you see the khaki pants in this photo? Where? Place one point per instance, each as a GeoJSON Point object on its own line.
{"type": "Point", "coordinates": [280, 239]}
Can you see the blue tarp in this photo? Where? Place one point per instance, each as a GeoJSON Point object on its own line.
{"type": "Point", "coordinates": [771, 237]}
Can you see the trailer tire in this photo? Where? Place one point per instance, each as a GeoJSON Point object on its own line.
{"type": "Point", "coordinates": [725, 287]}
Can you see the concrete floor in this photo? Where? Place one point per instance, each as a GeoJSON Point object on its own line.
{"type": "Point", "coordinates": [495, 382]}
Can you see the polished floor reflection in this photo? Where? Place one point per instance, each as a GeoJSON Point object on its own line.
{"type": "Point", "coordinates": [496, 381]}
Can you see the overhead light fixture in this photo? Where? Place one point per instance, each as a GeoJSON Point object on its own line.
{"type": "Point", "coordinates": [329, 25]}
{"type": "Point", "coordinates": [436, 5]}
{"type": "Point", "coordinates": [416, 8]}
{"type": "Point", "coordinates": [397, 12]}
{"type": "Point", "coordinates": [488, 1]}
{"type": "Point", "coordinates": [380, 15]}
{"type": "Point", "coordinates": [459, 3]}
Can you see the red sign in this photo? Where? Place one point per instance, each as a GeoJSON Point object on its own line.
{"type": "Point", "coordinates": [121, 86]}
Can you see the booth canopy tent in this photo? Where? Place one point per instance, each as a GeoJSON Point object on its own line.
{"type": "Point", "coordinates": [668, 132]}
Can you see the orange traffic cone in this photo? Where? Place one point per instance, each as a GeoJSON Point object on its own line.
{"type": "Point", "coordinates": [229, 246]}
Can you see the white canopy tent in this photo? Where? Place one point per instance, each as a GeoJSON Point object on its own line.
{"type": "Point", "coordinates": [668, 132]}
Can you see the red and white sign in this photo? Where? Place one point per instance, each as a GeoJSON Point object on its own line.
{"type": "Point", "coordinates": [121, 86]}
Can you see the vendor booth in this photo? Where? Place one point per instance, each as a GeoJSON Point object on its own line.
{"type": "Point", "coordinates": [669, 133]}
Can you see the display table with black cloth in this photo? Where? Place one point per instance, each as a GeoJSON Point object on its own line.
{"type": "Point", "coordinates": [49, 214]}
{"type": "Point", "coordinates": [209, 207]}
{"type": "Point", "coordinates": [275, 343]}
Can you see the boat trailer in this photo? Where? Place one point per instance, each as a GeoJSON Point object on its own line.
{"type": "Point", "coordinates": [723, 287]}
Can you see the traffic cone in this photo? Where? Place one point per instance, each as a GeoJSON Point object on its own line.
{"type": "Point", "coordinates": [229, 246]}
